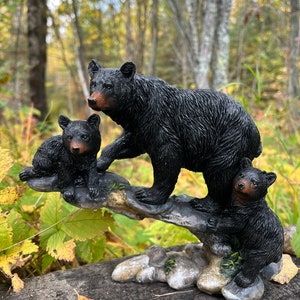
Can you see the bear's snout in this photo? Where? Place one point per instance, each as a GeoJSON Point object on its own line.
{"type": "Point", "coordinates": [91, 101]}
{"type": "Point", "coordinates": [240, 186]}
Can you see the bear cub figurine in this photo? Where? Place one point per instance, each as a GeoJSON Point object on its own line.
{"type": "Point", "coordinates": [255, 225]}
{"type": "Point", "coordinates": [71, 156]}
{"type": "Point", "coordinates": [200, 130]}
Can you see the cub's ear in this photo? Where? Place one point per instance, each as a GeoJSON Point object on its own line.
{"type": "Point", "coordinates": [63, 121]}
{"type": "Point", "coordinates": [128, 69]}
{"type": "Point", "coordinates": [271, 177]}
{"type": "Point", "coordinates": [93, 67]}
{"type": "Point", "coordinates": [94, 120]}
{"type": "Point", "coordinates": [245, 163]}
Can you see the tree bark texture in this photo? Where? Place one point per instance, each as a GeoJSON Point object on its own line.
{"type": "Point", "coordinates": [94, 282]}
{"type": "Point", "coordinates": [221, 46]}
{"type": "Point", "coordinates": [293, 86]}
{"type": "Point", "coordinates": [37, 30]}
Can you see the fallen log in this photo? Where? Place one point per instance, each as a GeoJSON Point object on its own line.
{"type": "Point", "coordinates": [94, 281]}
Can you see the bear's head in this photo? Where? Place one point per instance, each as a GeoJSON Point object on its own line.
{"type": "Point", "coordinates": [108, 86]}
{"type": "Point", "coordinates": [81, 137]}
{"type": "Point", "coordinates": [251, 184]}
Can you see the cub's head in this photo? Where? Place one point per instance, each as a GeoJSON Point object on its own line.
{"type": "Point", "coordinates": [81, 137]}
{"type": "Point", "coordinates": [109, 86]}
{"type": "Point", "coordinates": [251, 184]}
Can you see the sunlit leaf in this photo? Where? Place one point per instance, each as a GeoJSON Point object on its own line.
{"type": "Point", "coordinates": [10, 194]}
{"type": "Point", "coordinates": [6, 162]}
{"type": "Point", "coordinates": [51, 212]}
{"type": "Point", "coordinates": [16, 256]}
{"type": "Point", "coordinates": [6, 233]}
{"type": "Point", "coordinates": [60, 249]}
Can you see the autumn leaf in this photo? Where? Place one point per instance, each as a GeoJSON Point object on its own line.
{"type": "Point", "coordinates": [17, 283]}
{"type": "Point", "coordinates": [16, 256]}
{"type": "Point", "coordinates": [6, 163]}
{"type": "Point", "coordinates": [10, 194]}
{"type": "Point", "coordinates": [60, 249]}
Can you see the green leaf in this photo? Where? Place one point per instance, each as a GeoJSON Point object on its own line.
{"type": "Point", "coordinates": [6, 234]}
{"type": "Point", "coordinates": [86, 224]}
{"type": "Point", "coordinates": [51, 213]}
{"type": "Point", "coordinates": [92, 250]}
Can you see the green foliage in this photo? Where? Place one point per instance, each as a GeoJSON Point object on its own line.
{"type": "Point", "coordinates": [231, 265]}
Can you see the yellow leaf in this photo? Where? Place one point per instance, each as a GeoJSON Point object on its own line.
{"type": "Point", "coordinates": [288, 272]}
{"type": "Point", "coordinates": [80, 297]}
{"type": "Point", "coordinates": [5, 163]}
{"type": "Point", "coordinates": [10, 194]}
{"type": "Point", "coordinates": [16, 256]}
{"type": "Point", "coordinates": [17, 283]}
{"type": "Point", "coordinates": [59, 249]}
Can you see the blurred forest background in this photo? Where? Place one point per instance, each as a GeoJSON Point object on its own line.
{"type": "Point", "coordinates": [248, 49]}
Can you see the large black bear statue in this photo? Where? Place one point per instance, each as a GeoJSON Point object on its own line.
{"type": "Point", "coordinates": [252, 222]}
{"type": "Point", "coordinates": [200, 130]}
{"type": "Point", "coordinates": [71, 156]}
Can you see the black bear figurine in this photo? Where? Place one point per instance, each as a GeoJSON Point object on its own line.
{"type": "Point", "coordinates": [72, 156]}
{"type": "Point", "coordinates": [249, 218]}
{"type": "Point", "coordinates": [200, 130]}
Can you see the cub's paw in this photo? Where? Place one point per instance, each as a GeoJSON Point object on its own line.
{"type": "Point", "coordinates": [68, 194]}
{"type": "Point", "coordinates": [26, 174]}
{"type": "Point", "coordinates": [206, 204]}
{"type": "Point", "coordinates": [94, 192]}
{"type": "Point", "coordinates": [147, 196]}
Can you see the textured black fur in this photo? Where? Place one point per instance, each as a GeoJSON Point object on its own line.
{"type": "Point", "coordinates": [200, 130]}
{"type": "Point", "coordinates": [256, 226]}
{"type": "Point", "coordinates": [72, 156]}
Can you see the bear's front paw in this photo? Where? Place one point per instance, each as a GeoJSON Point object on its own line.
{"type": "Point", "coordinates": [103, 164]}
{"type": "Point", "coordinates": [94, 192]}
{"type": "Point", "coordinates": [206, 204]}
{"type": "Point", "coordinates": [212, 224]}
{"type": "Point", "coordinates": [68, 194]}
{"type": "Point", "coordinates": [26, 174]}
{"type": "Point", "coordinates": [146, 195]}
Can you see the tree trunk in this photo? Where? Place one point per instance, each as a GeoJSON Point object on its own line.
{"type": "Point", "coordinates": [129, 39]}
{"type": "Point", "coordinates": [221, 46]}
{"type": "Point", "coordinates": [37, 30]}
{"type": "Point", "coordinates": [141, 32]}
{"type": "Point", "coordinates": [207, 39]}
{"type": "Point", "coordinates": [293, 86]}
{"type": "Point", "coordinates": [154, 37]}
{"type": "Point", "coordinates": [80, 52]}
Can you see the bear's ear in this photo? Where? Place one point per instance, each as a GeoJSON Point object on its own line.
{"type": "Point", "coordinates": [271, 177]}
{"type": "Point", "coordinates": [94, 120]}
{"type": "Point", "coordinates": [93, 67]}
{"type": "Point", "coordinates": [245, 163]}
{"type": "Point", "coordinates": [128, 69]}
{"type": "Point", "coordinates": [63, 121]}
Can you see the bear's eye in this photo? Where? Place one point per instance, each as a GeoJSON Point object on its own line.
{"type": "Point", "coordinates": [254, 182]}
{"type": "Point", "coordinates": [107, 85]}
{"type": "Point", "coordinates": [84, 137]}
{"type": "Point", "coordinates": [69, 137]}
